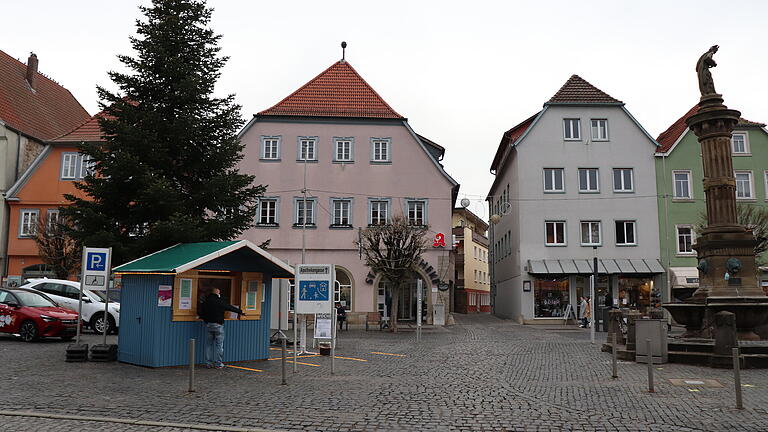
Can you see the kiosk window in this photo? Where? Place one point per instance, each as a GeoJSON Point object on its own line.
{"type": "Point", "coordinates": [206, 285]}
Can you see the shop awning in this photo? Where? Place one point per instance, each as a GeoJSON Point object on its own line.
{"type": "Point", "coordinates": [684, 277]}
{"type": "Point", "coordinates": [604, 266]}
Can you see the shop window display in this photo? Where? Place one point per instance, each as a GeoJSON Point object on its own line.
{"type": "Point", "coordinates": [551, 297]}
{"type": "Point", "coordinates": [635, 293]}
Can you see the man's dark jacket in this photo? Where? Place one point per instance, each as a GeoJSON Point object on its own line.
{"type": "Point", "coordinates": [212, 309]}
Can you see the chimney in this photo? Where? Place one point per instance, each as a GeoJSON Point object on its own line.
{"type": "Point", "coordinates": [32, 69]}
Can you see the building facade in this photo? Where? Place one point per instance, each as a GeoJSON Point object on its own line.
{"type": "Point", "coordinates": [573, 182]}
{"type": "Point", "coordinates": [472, 289]}
{"type": "Point", "coordinates": [33, 109]}
{"type": "Point", "coordinates": [39, 193]}
{"type": "Point", "coordinates": [360, 163]}
{"type": "Point", "coordinates": [679, 174]}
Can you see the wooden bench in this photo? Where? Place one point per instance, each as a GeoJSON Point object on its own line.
{"type": "Point", "coordinates": [373, 318]}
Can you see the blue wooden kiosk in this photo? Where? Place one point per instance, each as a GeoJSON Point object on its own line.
{"type": "Point", "coordinates": [161, 293]}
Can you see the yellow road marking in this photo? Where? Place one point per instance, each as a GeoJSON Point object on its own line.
{"type": "Point", "coordinates": [305, 364]}
{"type": "Point", "coordinates": [747, 385]}
{"type": "Point", "coordinates": [352, 358]}
{"type": "Point", "coordinates": [389, 354]}
{"type": "Point", "coordinates": [244, 368]}
{"type": "Point", "coordinates": [693, 390]}
{"type": "Point", "coordinates": [288, 358]}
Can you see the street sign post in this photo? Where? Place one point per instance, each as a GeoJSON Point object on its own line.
{"type": "Point", "coordinates": [313, 294]}
{"type": "Point", "coordinates": [94, 276]}
{"type": "Point", "coordinates": [419, 294]}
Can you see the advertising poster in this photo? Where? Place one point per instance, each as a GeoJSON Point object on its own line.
{"type": "Point", "coordinates": [185, 294]}
{"type": "Point", "coordinates": [164, 296]}
{"type": "Point", "coordinates": [323, 326]}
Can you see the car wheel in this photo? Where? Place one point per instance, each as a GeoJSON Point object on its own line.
{"type": "Point", "coordinates": [28, 331]}
{"type": "Point", "coordinates": [97, 323]}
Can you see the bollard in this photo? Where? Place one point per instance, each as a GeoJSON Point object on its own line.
{"type": "Point", "coordinates": [191, 365]}
{"type": "Point", "coordinates": [615, 357]}
{"type": "Point", "coordinates": [282, 360]}
{"type": "Point", "coordinates": [650, 366]}
{"type": "Point", "coordinates": [737, 378]}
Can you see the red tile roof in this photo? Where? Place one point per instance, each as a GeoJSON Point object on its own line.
{"type": "Point", "coordinates": [578, 90]}
{"type": "Point", "coordinates": [89, 131]}
{"type": "Point", "coordinates": [339, 91]}
{"type": "Point", "coordinates": [44, 113]}
{"type": "Point", "coordinates": [509, 138]}
{"type": "Point", "coordinates": [668, 138]}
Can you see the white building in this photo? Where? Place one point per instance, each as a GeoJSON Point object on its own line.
{"type": "Point", "coordinates": [574, 181]}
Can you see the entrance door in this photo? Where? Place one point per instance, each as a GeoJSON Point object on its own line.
{"type": "Point", "coordinates": [407, 300]}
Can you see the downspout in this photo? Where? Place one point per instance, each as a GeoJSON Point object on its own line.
{"type": "Point", "coordinates": [666, 227]}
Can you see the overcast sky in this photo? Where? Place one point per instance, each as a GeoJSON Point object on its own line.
{"type": "Point", "coordinates": [462, 72]}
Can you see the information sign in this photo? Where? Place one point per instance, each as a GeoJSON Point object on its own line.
{"type": "Point", "coordinates": [313, 293]}
{"type": "Point", "coordinates": [323, 326]}
{"type": "Point", "coordinates": [96, 262]}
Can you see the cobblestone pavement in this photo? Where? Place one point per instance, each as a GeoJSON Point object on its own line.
{"type": "Point", "coordinates": [481, 374]}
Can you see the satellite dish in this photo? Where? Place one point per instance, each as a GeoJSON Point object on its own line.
{"type": "Point", "coordinates": [465, 202]}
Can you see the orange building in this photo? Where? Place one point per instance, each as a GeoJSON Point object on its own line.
{"type": "Point", "coordinates": [40, 192]}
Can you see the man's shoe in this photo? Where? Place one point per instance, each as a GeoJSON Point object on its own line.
{"type": "Point", "coordinates": [220, 366]}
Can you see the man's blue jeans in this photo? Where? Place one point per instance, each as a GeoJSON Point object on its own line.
{"type": "Point", "coordinates": [214, 344]}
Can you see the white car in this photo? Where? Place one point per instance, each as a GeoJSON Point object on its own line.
{"type": "Point", "coordinates": [65, 293]}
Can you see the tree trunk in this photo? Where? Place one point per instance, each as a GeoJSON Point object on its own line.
{"type": "Point", "coordinates": [395, 303]}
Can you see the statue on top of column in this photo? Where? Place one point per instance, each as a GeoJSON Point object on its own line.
{"type": "Point", "coordinates": [706, 85]}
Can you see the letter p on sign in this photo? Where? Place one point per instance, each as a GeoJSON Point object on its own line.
{"type": "Point", "coordinates": [96, 261]}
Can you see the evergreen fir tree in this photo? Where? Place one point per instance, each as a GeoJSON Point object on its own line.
{"type": "Point", "coordinates": [167, 172]}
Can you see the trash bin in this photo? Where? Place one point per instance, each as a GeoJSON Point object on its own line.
{"type": "Point", "coordinates": [656, 331]}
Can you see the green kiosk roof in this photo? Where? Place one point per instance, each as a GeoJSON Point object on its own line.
{"type": "Point", "coordinates": [185, 256]}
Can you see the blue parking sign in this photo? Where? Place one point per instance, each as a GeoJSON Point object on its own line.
{"type": "Point", "coordinates": [313, 290]}
{"type": "Point", "coordinates": [96, 261]}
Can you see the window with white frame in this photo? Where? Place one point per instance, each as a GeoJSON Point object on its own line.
{"type": "Point", "coordinates": [307, 149]}
{"type": "Point", "coordinates": [684, 239]}
{"type": "Point", "coordinates": [69, 165]}
{"type": "Point", "coordinates": [270, 148]}
{"type": "Point", "coordinates": [342, 151]}
{"type": "Point", "coordinates": [572, 129]}
{"type": "Point", "coordinates": [417, 212]}
{"type": "Point", "coordinates": [28, 222]}
{"type": "Point", "coordinates": [87, 166]}
{"type": "Point", "coordinates": [590, 233]}
{"type": "Point", "coordinates": [623, 180]}
{"type": "Point", "coordinates": [267, 211]}
{"type": "Point", "coordinates": [475, 250]}
{"type": "Point", "coordinates": [52, 219]}
{"type": "Point", "coordinates": [739, 143]}
{"type": "Point", "coordinates": [744, 185]}
{"type": "Point", "coordinates": [554, 180]}
{"type": "Point", "coordinates": [625, 233]}
{"type": "Point", "coordinates": [380, 150]}
{"type": "Point", "coordinates": [555, 233]}
{"type": "Point", "coordinates": [475, 275]}
{"type": "Point", "coordinates": [342, 209]}
{"type": "Point", "coordinates": [379, 212]}
{"type": "Point", "coordinates": [305, 211]}
{"type": "Point", "coordinates": [682, 184]}
{"type": "Point", "coordinates": [599, 129]}
{"type": "Point", "coordinates": [588, 180]}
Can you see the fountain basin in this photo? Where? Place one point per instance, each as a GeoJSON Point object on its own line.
{"type": "Point", "coordinates": [750, 312]}
{"type": "Point", "coordinates": [691, 315]}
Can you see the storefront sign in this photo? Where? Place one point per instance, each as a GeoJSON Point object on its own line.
{"type": "Point", "coordinates": [314, 283]}
{"type": "Point", "coordinates": [692, 280]}
{"type": "Point", "coordinates": [439, 240]}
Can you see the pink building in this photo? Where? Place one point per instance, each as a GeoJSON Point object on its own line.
{"type": "Point", "coordinates": [363, 164]}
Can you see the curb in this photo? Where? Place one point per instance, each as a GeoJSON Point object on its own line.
{"type": "Point", "coordinates": [205, 427]}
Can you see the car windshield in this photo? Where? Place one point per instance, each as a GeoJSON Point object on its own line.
{"type": "Point", "coordinates": [32, 299]}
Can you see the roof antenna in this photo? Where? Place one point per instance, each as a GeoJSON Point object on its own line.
{"type": "Point", "coordinates": [343, 51]}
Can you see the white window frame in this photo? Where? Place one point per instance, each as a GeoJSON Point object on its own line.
{"type": "Point", "coordinates": [597, 180]}
{"type": "Point", "coordinates": [387, 209]}
{"type": "Point", "coordinates": [677, 239]}
{"type": "Point", "coordinates": [28, 226]}
{"type": "Point", "coordinates": [86, 167]}
{"type": "Point", "coordinates": [626, 222]}
{"type": "Point", "coordinates": [550, 172]}
{"type": "Point", "coordinates": [271, 156]}
{"type": "Point", "coordinates": [259, 220]}
{"type": "Point", "coordinates": [337, 142]}
{"type": "Point", "coordinates": [689, 176]}
{"type": "Point", "coordinates": [51, 218]}
{"type": "Point", "coordinates": [746, 151]}
{"type": "Point", "coordinates": [70, 168]}
{"type": "Point", "coordinates": [300, 147]}
{"type": "Point", "coordinates": [312, 206]}
{"type": "Point", "coordinates": [751, 185]}
{"type": "Point", "coordinates": [594, 126]}
{"type": "Point", "coordinates": [555, 224]}
{"type": "Point", "coordinates": [589, 224]}
{"type": "Point", "coordinates": [624, 188]}
{"type": "Point", "coordinates": [386, 144]}
{"type": "Point", "coordinates": [568, 128]}
{"type": "Point", "coordinates": [414, 201]}
{"type": "Point", "coordinates": [338, 223]}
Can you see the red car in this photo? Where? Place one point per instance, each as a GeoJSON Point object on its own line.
{"type": "Point", "coordinates": [33, 315]}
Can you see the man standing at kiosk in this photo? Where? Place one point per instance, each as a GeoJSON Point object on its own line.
{"type": "Point", "coordinates": [212, 313]}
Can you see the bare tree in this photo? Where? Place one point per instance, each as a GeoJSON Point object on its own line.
{"type": "Point", "coordinates": [393, 250]}
{"type": "Point", "coordinates": [57, 249]}
{"type": "Point", "coordinates": [755, 218]}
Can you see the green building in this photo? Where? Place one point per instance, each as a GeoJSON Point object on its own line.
{"type": "Point", "coordinates": [679, 182]}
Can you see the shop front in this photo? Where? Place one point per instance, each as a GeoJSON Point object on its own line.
{"type": "Point", "coordinates": [556, 284]}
